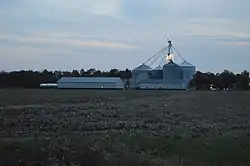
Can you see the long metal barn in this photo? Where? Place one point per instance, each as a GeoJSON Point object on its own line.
{"type": "Point", "coordinates": [90, 83]}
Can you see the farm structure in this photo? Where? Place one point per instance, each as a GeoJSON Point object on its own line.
{"type": "Point", "coordinates": [48, 85]}
{"type": "Point", "coordinates": [167, 75]}
{"type": "Point", "coordinates": [90, 83]}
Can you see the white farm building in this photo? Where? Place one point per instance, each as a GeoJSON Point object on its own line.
{"type": "Point", "coordinates": [171, 76]}
{"type": "Point", "coordinates": [90, 83]}
{"type": "Point", "coordinates": [167, 75]}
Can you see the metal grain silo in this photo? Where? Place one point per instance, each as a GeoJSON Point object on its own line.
{"type": "Point", "coordinates": [172, 72]}
{"type": "Point", "coordinates": [156, 73]}
{"type": "Point", "coordinates": [142, 69]}
{"type": "Point", "coordinates": [188, 71]}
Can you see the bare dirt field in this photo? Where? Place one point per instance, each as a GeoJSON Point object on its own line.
{"type": "Point", "coordinates": [124, 127]}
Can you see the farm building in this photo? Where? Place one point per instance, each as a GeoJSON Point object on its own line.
{"type": "Point", "coordinates": [90, 83]}
{"type": "Point", "coordinates": [167, 75]}
{"type": "Point", "coordinates": [48, 85]}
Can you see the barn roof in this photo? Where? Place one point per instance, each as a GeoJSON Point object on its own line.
{"type": "Point", "coordinates": [89, 79]}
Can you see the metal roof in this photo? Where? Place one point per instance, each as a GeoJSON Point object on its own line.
{"type": "Point", "coordinates": [158, 68]}
{"type": "Point", "coordinates": [186, 64]}
{"type": "Point", "coordinates": [143, 67]}
{"type": "Point", "coordinates": [89, 79]}
{"type": "Point", "coordinates": [171, 64]}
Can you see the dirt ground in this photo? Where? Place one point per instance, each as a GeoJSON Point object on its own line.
{"type": "Point", "coordinates": [26, 114]}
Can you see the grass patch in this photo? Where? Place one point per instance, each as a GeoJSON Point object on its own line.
{"type": "Point", "coordinates": [218, 151]}
{"type": "Point", "coordinates": [127, 150]}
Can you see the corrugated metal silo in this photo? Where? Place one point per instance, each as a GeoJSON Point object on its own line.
{"type": "Point", "coordinates": [172, 72]}
{"type": "Point", "coordinates": [139, 71]}
{"type": "Point", "coordinates": [156, 73]}
{"type": "Point", "coordinates": [188, 71]}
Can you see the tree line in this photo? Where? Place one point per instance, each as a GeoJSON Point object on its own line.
{"type": "Point", "coordinates": [201, 81]}
{"type": "Point", "coordinates": [33, 79]}
{"type": "Point", "coordinates": [221, 81]}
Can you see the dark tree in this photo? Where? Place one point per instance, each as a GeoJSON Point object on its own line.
{"type": "Point", "coordinates": [201, 81]}
{"type": "Point", "coordinates": [221, 81]}
{"type": "Point", "coordinates": [75, 73]}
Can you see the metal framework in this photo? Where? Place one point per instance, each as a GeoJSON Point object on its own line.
{"type": "Point", "coordinates": [167, 50]}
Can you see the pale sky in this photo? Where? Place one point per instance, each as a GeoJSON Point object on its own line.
{"type": "Point", "coordinates": [63, 35]}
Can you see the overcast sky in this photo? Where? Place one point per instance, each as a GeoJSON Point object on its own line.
{"type": "Point", "coordinates": [60, 34]}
